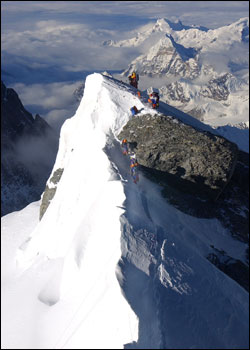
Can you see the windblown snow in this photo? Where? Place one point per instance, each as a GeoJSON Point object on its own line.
{"type": "Point", "coordinates": [67, 290]}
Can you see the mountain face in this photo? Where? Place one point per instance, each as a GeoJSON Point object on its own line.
{"type": "Point", "coordinates": [29, 147]}
{"type": "Point", "coordinates": [167, 57]}
{"type": "Point", "coordinates": [199, 172]}
{"type": "Point", "coordinates": [202, 72]}
{"type": "Point", "coordinates": [126, 257]}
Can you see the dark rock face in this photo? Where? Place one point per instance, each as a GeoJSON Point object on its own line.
{"type": "Point", "coordinates": [234, 268]}
{"type": "Point", "coordinates": [193, 161]}
{"type": "Point", "coordinates": [78, 93]}
{"type": "Point", "coordinates": [29, 147]}
{"type": "Point", "coordinates": [15, 120]}
{"type": "Point", "coordinates": [216, 88]}
{"type": "Point", "coordinates": [175, 92]}
{"type": "Point", "coordinates": [173, 154]}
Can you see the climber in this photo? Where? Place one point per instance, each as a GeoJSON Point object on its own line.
{"type": "Point", "coordinates": [157, 97]}
{"type": "Point", "coordinates": [134, 174]}
{"type": "Point", "coordinates": [133, 160]}
{"type": "Point", "coordinates": [134, 167]}
{"type": "Point", "coordinates": [133, 80]}
{"type": "Point", "coordinates": [124, 147]}
{"type": "Point", "coordinates": [154, 99]}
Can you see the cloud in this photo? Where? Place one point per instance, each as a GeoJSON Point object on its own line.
{"type": "Point", "coordinates": [55, 118]}
{"type": "Point", "coordinates": [55, 95]}
{"type": "Point", "coordinates": [54, 102]}
{"type": "Point", "coordinates": [87, 11]}
{"type": "Point", "coordinates": [72, 47]}
{"type": "Point", "coordinates": [70, 35]}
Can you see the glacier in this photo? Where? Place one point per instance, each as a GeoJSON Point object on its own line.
{"type": "Point", "coordinates": [112, 264]}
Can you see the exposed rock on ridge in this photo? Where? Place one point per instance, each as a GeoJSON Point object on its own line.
{"type": "Point", "coordinates": [50, 192]}
{"type": "Point", "coordinates": [196, 162]}
{"type": "Point", "coordinates": [194, 168]}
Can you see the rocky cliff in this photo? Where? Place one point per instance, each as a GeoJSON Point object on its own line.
{"type": "Point", "coordinates": [195, 161]}
{"type": "Point", "coordinates": [29, 147]}
{"type": "Point", "coordinates": [201, 174]}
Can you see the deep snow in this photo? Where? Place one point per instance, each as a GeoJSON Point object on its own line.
{"type": "Point", "coordinates": [60, 276]}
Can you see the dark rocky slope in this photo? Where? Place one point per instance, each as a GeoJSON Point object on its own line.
{"type": "Point", "coordinates": [196, 162]}
{"type": "Point", "coordinates": [29, 147]}
{"type": "Point", "coordinates": [201, 174]}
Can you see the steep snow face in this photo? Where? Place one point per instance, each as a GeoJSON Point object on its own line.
{"type": "Point", "coordinates": [103, 110]}
{"type": "Point", "coordinates": [66, 281]}
{"type": "Point", "coordinates": [78, 238]}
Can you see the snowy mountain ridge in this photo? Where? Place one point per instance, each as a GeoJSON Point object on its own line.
{"type": "Point", "coordinates": [194, 36]}
{"type": "Point", "coordinates": [162, 25]}
{"type": "Point", "coordinates": [202, 72]}
{"type": "Point", "coordinates": [111, 263]}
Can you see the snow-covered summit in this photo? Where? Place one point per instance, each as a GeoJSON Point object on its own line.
{"type": "Point", "coordinates": [195, 36]}
{"type": "Point", "coordinates": [104, 109]}
{"type": "Point", "coordinates": [78, 237]}
{"type": "Point", "coordinates": [162, 26]}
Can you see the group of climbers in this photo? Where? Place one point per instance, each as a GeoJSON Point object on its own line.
{"type": "Point", "coordinates": [133, 161]}
{"type": "Point", "coordinates": [152, 93]}
{"type": "Point", "coordinates": [154, 101]}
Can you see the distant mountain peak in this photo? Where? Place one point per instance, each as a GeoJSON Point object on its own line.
{"type": "Point", "coordinates": [162, 25]}
{"type": "Point", "coordinates": [177, 25]}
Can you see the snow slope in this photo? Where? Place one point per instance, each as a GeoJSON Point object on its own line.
{"type": "Point", "coordinates": [64, 291]}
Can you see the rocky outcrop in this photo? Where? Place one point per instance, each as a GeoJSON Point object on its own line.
{"type": "Point", "coordinates": [217, 88]}
{"type": "Point", "coordinates": [78, 93]}
{"type": "Point", "coordinates": [193, 169]}
{"type": "Point", "coordinates": [174, 92]}
{"type": "Point", "coordinates": [49, 192]}
{"type": "Point", "coordinates": [195, 162]}
{"type": "Point", "coordinates": [234, 268]}
{"type": "Point", "coordinates": [15, 119]}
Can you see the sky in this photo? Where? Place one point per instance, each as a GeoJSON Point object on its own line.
{"type": "Point", "coordinates": [62, 286]}
{"type": "Point", "coordinates": [54, 42]}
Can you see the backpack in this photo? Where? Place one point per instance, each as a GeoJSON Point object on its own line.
{"type": "Point", "coordinates": [134, 110]}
